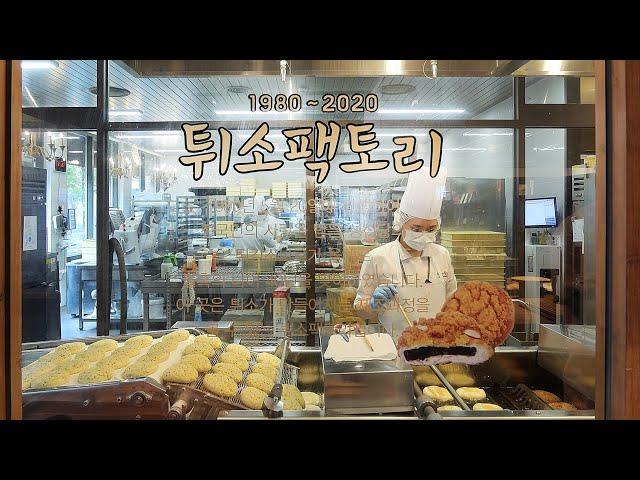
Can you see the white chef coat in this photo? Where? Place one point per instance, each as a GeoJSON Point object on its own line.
{"type": "Point", "coordinates": [251, 238]}
{"type": "Point", "coordinates": [270, 225]}
{"type": "Point", "coordinates": [382, 266]}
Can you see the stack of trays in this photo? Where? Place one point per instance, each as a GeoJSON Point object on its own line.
{"type": "Point", "coordinates": [477, 255]}
{"type": "Point", "coordinates": [279, 189]}
{"type": "Point", "coordinates": [248, 187]}
{"type": "Point", "coordinates": [233, 191]}
{"type": "Point", "coordinates": [295, 190]}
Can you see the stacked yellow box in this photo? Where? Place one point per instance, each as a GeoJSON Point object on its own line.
{"type": "Point", "coordinates": [248, 187]}
{"type": "Point", "coordinates": [477, 255]}
{"type": "Point", "coordinates": [295, 190]}
{"type": "Point", "coordinates": [224, 227]}
{"type": "Point", "coordinates": [265, 192]}
{"type": "Point", "coordinates": [279, 189]}
{"type": "Point", "coordinates": [233, 191]}
{"type": "Point", "coordinates": [353, 257]}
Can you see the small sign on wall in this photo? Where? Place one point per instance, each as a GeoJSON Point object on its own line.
{"type": "Point", "coordinates": [61, 164]}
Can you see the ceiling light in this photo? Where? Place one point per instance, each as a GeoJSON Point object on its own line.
{"type": "Point", "coordinates": [113, 91]}
{"type": "Point", "coordinates": [75, 151]}
{"type": "Point", "coordinates": [393, 111]}
{"type": "Point", "coordinates": [39, 64]}
{"type": "Point", "coordinates": [239, 89]}
{"type": "Point", "coordinates": [31, 96]}
{"type": "Point", "coordinates": [74, 162]}
{"type": "Point", "coordinates": [132, 112]}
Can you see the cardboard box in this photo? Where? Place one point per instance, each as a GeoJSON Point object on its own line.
{"type": "Point", "coordinates": [281, 309]}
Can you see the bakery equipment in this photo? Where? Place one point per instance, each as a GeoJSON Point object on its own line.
{"type": "Point", "coordinates": [376, 386]}
{"type": "Point", "coordinates": [273, 406]}
{"type": "Point", "coordinates": [138, 235]}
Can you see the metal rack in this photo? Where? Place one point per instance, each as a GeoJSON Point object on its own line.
{"type": "Point", "coordinates": [197, 217]}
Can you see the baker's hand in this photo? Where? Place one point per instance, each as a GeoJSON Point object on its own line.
{"type": "Point", "coordinates": [382, 295]}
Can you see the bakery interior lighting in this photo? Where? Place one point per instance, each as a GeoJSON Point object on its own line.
{"type": "Point", "coordinates": [39, 64]}
{"type": "Point", "coordinates": [124, 113]}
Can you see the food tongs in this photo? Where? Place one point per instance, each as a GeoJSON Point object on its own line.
{"type": "Point", "coordinates": [273, 407]}
{"type": "Point", "coordinates": [344, 330]}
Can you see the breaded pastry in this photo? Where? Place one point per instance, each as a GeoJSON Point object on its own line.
{"type": "Point", "coordinates": [220, 385]}
{"type": "Point", "coordinates": [158, 356]}
{"type": "Point", "coordinates": [310, 398]}
{"type": "Point", "coordinates": [238, 349]}
{"type": "Point", "coordinates": [92, 355]}
{"type": "Point", "coordinates": [547, 396]}
{"type": "Point", "coordinates": [201, 348]}
{"type": "Point", "coordinates": [562, 406]}
{"type": "Point", "coordinates": [471, 394]}
{"type": "Point", "coordinates": [126, 351]}
{"type": "Point", "coordinates": [292, 392]}
{"type": "Point", "coordinates": [268, 358]}
{"type": "Point", "coordinates": [72, 347]}
{"type": "Point", "coordinates": [252, 398]}
{"type": "Point", "coordinates": [230, 357]}
{"type": "Point", "coordinates": [140, 368]}
{"type": "Point", "coordinates": [50, 380]}
{"type": "Point", "coordinates": [486, 407]}
{"type": "Point", "coordinates": [460, 379]}
{"type": "Point", "coordinates": [266, 369]}
{"type": "Point", "coordinates": [438, 394]}
{"type": "Point", "coordinates": [228, 369]}
{"type": "Point", "coordinates": [95, 375]}
{"type": "Point", "coordinates": [113, 362]}
{"type": "Point", "coordinates": [180, 335]}
{"type": "Point", "coordinates": [424, 378]}
{"type": "Point", "coordinates": [489, 305]}
{"type": "Point", "coordinates": [55, 357]}
{"type": "Point", "coordinates": [201, 363]}
{"type": "Point", "coordinates": [449, 408]}
{"type": "Point", "coordinates": [167, 347]}
{"type": "Point", "coordinates": [139, 341]}
{"type": "Point", "coordinates": [180, 373]}
{"type": "Point", "coordinates": [106, 345]}
{"type": "Point", "coordinates": [449, 337]}
{"type": "Point", "coordinates": [258, 380]}
{"type": "Point", "coordinates": [73, 365]}
{"type": "Point", "coordinates": [291, 404]}
{"type": "Point", "coordinates": [212, 340]}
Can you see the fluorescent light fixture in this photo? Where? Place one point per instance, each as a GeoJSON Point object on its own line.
{"type": "Point", "coordinates": [31, 96]}
{"type": "Point", "coordinates": [75, 151]}
{"type": "Point", "coordinates": [74, 162]}
{"type": "Point", "coordinates": [39, 64]}
{"type": "Point", "coordinates": [58, 136]}
{"type": "Point", "coordinates": [547, 149]}
{"type": "Point", "coordinates": [394, 111]}
{"type": "Point", "coordinates": [401, 134]}
{"type": "Point", "coordinates": [497, 134]}
{"type": "Point", "coordinates": [123, 113]}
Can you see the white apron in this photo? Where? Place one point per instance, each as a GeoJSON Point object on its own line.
{"type": "Point", "coordinates": [422, 301]}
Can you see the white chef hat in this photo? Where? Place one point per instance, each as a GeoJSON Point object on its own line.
{"type": "Point", "coordinates": [254, 204]}
{"type": "Point", "coordinates": [422, 197]}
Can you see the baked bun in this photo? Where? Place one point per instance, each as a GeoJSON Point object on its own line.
{"type": "Point", "coordinates": [451, 337]}
{"type": "Point", "coordinates": [547, 397]}
{"type": "Point", "coordinates": [562, 406]}
{"type": "Point", "coordinates": [489, 305]}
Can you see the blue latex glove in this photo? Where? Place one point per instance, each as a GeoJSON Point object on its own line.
{"type": "Point", "coordinates": [382, 295]}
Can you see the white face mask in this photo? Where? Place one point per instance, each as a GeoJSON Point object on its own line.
{"type": "Point", "coordinates": [418, 240]}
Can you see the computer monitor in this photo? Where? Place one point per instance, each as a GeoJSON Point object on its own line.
{"type": "Point", "coordinates": [540, 213]}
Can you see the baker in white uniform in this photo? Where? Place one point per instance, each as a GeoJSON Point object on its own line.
{"type": "Point", "coordinates": [413, 270]}
{"type": "Point", "coordinates": [250, 238]}
{"type": "Point", "coordinates": [268, 223]}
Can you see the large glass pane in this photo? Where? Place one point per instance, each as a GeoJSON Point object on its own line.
{"type": "Point", "coordinates": [58, 83]}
